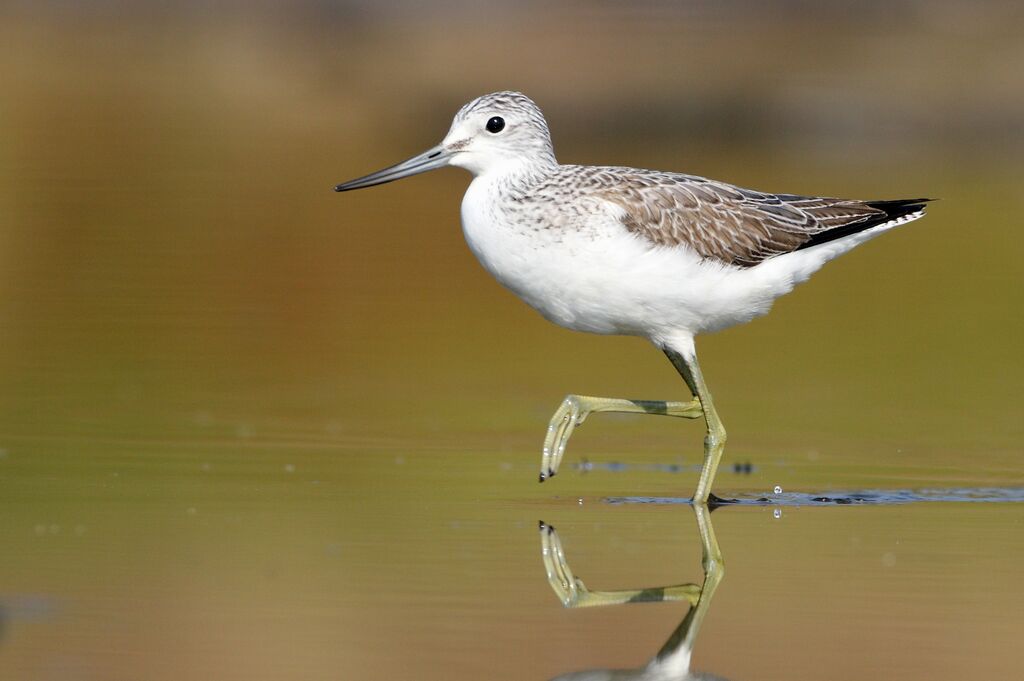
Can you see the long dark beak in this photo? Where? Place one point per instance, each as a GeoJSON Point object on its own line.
{"type": "Point", "coordinates": [430, 159]}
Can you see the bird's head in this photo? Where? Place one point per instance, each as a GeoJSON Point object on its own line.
{"type": "Point", "coordinates": [493, 132]}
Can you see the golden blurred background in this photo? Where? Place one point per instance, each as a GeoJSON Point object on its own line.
{"type": "Point", "coordinates": [263, 417]}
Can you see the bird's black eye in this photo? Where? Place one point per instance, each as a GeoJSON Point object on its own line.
{"type": "Point", "coordinates": [495, 125]}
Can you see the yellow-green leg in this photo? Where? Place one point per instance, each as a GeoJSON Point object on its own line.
{"type": "Point", "coordinates": [575, 409]}
{"type": "Point", "coordinates": [714, 440]}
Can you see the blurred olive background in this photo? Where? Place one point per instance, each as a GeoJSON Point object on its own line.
{"type": "Point", "coordinates": [250, 428]}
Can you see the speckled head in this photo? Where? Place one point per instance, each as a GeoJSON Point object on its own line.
{"type": "Point", "coordinates": [498, 131]}
{"type": "Point", "coordinates": [499, 128]}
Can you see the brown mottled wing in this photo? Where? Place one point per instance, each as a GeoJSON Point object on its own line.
{"type": "Point", "coordinates": [733, 225]}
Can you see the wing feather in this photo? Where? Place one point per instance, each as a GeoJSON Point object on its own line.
{"type": "Point", "coordinates": [730, 224]}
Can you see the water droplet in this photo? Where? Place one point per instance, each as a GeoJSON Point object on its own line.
{"type": "Point", "coordinates": [777, 513]}
{"type": "Point", "coordinates": [778, 489]}
{"type": "Point", "coordinates": [547, 450]}
{"type": "Point", "coordinates": [580, 501]}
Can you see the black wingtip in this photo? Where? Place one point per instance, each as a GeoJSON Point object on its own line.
{"type": "Point", "coordinates": [892, 209]}
{"type": "Point", "coordinates": [896, 208]}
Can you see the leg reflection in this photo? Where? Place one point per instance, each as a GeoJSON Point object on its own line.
{"type": "Point", "coordinates": [672, 661]}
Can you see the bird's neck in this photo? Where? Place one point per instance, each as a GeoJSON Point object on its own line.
{"type": "Point", "coordinates": [519, 177]}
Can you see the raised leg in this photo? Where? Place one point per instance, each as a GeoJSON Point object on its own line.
{"type": "Point", "coordinates": [714, 440]}
{"type": "Point", "coordinates": [575, 409]}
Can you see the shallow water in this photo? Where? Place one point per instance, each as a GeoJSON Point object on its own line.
{"type": "Point", "coordinates": [213, 558]}
{"type": "Point", "coordinates": [250, 429]}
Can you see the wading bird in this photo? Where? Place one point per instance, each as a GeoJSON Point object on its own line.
{"type": "Point", "coordinates": [613, 250]}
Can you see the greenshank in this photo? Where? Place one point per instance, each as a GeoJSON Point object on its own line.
{"type": "Point", "coordinates": [613, 250]}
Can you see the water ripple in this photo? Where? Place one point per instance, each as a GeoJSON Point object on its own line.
{"type": "Point", "coordinates": [871, 497]}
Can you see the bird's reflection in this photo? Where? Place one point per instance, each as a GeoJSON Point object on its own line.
{"type": "Point", "coordinates": [672, 662]}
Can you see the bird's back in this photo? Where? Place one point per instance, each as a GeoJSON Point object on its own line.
{"type": "Point", "coordinates": [720, 221]}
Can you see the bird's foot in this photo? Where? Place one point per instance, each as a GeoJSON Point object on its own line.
{"type": "Point", "coordinates": [570, 413]}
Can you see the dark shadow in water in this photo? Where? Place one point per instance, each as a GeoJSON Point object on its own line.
{"type": "Point", "coordinates": [672, 662]}
{"type": "Point", "coordinates": [586, 466]}
{"type": "Point", "coordinates": [871, 497]}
